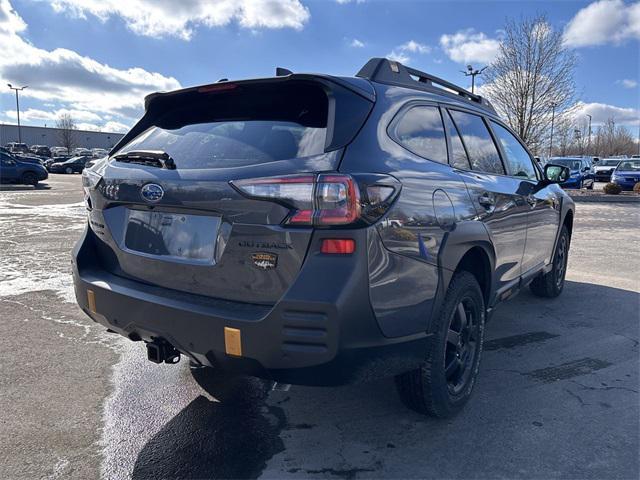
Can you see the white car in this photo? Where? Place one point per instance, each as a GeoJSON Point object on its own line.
{"type": "Point", "coordinates": [58, 151]}
{"type": "Point", "coordinates": [99, 152]}
{"type": "Point", "coordinates": [604, 168]}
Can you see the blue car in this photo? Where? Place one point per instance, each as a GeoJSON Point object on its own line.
{"type": "Point", "coordinates": [581, 174]}
{"type": "Point", "coordinates": [13, 170]}
{"type": "Point", "coordinates": [627, 173]}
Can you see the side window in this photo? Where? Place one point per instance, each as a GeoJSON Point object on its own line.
{"type": "Point", "coordinates": [483, 153]}
{"type": "Point", "coordinates": [518, 159]}
{"type": "Point", "coordinates": [420, 130]}
{"type": "Point", "coordinates": [458, 157]}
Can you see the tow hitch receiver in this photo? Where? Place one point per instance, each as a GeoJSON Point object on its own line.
{"type": "Point", "coordinates": [161, 351]}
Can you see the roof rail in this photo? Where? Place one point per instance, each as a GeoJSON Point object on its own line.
{"type": "Point", "coordinates": [383, 70]}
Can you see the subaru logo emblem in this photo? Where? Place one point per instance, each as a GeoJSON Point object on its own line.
{"type": "Point", "coordinates": [152, 192]}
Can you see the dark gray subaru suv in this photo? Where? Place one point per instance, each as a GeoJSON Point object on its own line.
{"type": "Point", "coordinates": [319, 230]}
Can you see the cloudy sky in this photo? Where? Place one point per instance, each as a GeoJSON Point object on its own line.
{"type": "Point", "coordinates": [97, 59]}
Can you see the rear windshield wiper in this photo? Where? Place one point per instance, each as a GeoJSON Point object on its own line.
{"type": "Point", "coordinates": [152, 158]}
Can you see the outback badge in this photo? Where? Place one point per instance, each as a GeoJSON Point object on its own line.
{"type": "Point", "coordinates": [264, 260]}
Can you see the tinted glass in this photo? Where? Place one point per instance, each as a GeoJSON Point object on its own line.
{"type": "Point", "coordinates": [232, 144]}
{"type": "Point", "coordinates": [420, 130]}
{"type": "Point", "coordinates": [482, 151]}
{"type": "Point", "coordinates": [458, 158]}
{"type": "Point", "coordinates": [518, 160]}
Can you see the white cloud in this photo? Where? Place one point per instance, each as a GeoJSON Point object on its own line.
{"type": "Point", "coordinates": [604, 21]}
{"type": "Point", "coordinates": [401, 52]}
{"type": "Point", "coordinates": [74, 83]}
{"type": "Point", "coordinates": [470, 46]}
{"type": "Point", "coordinates": [627, 83]}
{"type": "Point", "coordinates": [601, 112]}
{"type": "Point", "coordinates": [355, 43]}
{"type": "Point", "coordinates": [169, 18]}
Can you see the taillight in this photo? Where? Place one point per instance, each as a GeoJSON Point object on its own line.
{"type": "Point", "coordinates": [324, 199]}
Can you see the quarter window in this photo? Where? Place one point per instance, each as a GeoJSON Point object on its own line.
{"type": "Point", "coordinates": [517, 158]}
{"type": "Point", "coordinates": [483, 153]}
{"type": "Point", "coordinates": [420, 130]}
{"type": "Point", "coordinates": [458, 158]}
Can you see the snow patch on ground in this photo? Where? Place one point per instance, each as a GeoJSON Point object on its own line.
{"type": "Point", "coordinates": [24, 268]}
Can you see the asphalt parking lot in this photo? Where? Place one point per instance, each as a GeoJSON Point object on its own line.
{"type": "Point", "coordinates": [557, 395]}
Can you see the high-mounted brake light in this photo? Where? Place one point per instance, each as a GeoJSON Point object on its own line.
{"type": "Point", "coordinates": [217, 87]}
{"type": "Point", "coordinates": [325, 199]}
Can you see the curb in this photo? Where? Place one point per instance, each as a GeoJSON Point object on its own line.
{"type": "Point", "coordinates": [605, 198]}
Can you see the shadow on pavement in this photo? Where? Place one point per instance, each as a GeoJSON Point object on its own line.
{"type": "Point", "coordinates": [230, 437]}
{"type": "Point", "coordinates": [235, 435]}
{"type": "Point", "coordinates": [22, 188]}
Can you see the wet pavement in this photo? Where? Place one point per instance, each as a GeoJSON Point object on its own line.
{"type": "Point", "coordinates": [557, 394]}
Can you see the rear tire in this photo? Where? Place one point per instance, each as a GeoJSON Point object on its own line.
{"type": "Point", "coordinates": [30, 178]}
{"type": "Point", "coordinates": [443, 385]}
{"type": "Point", "coordinates": [550, 285]}
{"type": "Point", "coordinates": [590, 187]}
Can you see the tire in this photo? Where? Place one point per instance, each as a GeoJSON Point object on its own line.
{"type": "Point", "coordinates": [68, 170]}
{"type": "Point", "coordinates": [431, 389]}
{"type": "Point", "coordinates": [590, 187]}
{"type": "Point", "coordinates": [550, 285]}
{"type": "Point", "coordinates": [29, 178]}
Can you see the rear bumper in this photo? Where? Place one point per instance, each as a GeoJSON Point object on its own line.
{"type": "Point", "coordinates": [322, 332]}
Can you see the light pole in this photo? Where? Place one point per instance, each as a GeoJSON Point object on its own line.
{"type": "Point", "coordinates": [553, 116]}
{"type": "Point", "coordinates": [590, 152]}
{"type": "Point", "coordinates": [17, 89]}
{"type": "Point", "coordinates": [472, 73]}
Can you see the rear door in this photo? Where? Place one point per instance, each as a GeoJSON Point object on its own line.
{"type": "Point", "coordinates": [165, 211]}
{"type": "Point", "coordinates": [544, 203]}
{"type": "Point", "coordinates": [499, 202]}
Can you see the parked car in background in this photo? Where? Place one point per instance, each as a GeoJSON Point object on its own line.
{"type": "Point", "coordinates": [72, 165]}
{"type": "Point", "coordinates": [59, 151]}
{"type": "Point", "coordinates": [99, 152]}
{"type": "Point", "coordinates": [604, 168]}
{"type": "Point", "coordinates": [627, 173]}
{"type": "Point", "coordinates": [15, 147]}
{"type": "Point", "coordinates": [50, 161]}
{"type": "Point", "coordinates": [29, 158]}
{"type": "Point", "coordinates": [80, 151]}
{"type": "Point", "coordinates": [13, 170]}
{"type": "Point", "coordinates": [214, 226]}
{"type": "Point", "coordinates": [40, 150]}
{"type": "Point", "coordinates": [581, 175]}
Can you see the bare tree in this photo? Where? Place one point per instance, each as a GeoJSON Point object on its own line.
{"type": "Point", "coordinates": [611, 139]}
{"type": "Point", "coordinates": [67, 131]}
{"type": "Point", "coordinates": [531, 79]}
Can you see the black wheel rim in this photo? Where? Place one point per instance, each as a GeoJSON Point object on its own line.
{"type": "Point", "coordinates": [461, 347]}
{"type": "Point", "coordinates": [561, 261]}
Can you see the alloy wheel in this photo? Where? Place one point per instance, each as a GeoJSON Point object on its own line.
{"type": "Point", "coordinates": [461, 347]}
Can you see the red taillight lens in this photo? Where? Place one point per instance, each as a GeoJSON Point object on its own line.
{"type": "Point", "coordinates": [314, 199]}
{"type": "Point", "coordinates": [339, 246]}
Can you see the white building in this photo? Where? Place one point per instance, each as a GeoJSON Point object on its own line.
{"type": "Point", "coordinates": [51, 137]}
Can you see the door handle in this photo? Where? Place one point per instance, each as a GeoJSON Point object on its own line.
{"type": "Point", "coordinates": [531, 200]}
{"type": "Point", "coordinates": [487, 200]}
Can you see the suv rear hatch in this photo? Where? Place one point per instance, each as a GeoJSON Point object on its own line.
{"type": "Point", "coordinates": [164, 209]}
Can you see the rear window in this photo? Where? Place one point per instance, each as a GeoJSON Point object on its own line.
{"type": "Point", "coordinates": [250, 125]}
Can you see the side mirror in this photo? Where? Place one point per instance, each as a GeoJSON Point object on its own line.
{"type": "Point", "coordinates": [556, 173]}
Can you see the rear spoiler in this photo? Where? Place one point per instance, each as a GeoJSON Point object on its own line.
{"type": "Point", "coordinates": [350, 100]}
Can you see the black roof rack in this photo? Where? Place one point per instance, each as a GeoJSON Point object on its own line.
{"type": "Point", "coordinates": [383, 70]}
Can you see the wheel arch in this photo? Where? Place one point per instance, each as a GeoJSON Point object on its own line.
{"type": "Point", "coordinates": [469, 248]}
